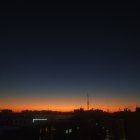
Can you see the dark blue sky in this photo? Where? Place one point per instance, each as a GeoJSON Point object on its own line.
{"type": "Point", "coordinates": [68, 50]}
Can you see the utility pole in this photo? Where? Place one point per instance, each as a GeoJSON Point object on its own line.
{"type": "Point", "coordinates": [87, 101]}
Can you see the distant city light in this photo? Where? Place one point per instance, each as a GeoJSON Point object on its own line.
{"type": "Point", "coordinates": [40, 130]}
{"type": "Point", "coordinates": [46, 129]}
{"type": "Point", "coordinates": [78, 127]}
{"type": "Point", "coordinates": [96, 123]}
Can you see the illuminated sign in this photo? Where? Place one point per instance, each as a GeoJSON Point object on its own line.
{"type": "Point", "coordinates": [37, 119]}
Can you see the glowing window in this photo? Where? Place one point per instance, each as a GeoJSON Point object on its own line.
{"type": "Point", "coordinates": [70, 130]}
{"type": "Point", "coordinates": [67, 131]}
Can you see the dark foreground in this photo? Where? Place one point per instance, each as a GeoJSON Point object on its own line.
{"type": "Point", "coordinates": [80, 125]}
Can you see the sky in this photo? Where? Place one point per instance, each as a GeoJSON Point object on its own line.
{"type": "Point", "coordinates": [52, 55]}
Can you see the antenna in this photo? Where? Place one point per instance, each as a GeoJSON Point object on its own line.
{"type": "Point", "coordinates": [87, 101]}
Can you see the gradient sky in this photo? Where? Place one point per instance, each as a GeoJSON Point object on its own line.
{"type": "Point", "coordinates": [51, 55]}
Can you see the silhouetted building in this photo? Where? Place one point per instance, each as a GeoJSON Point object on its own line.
{"type": "Point", "coordinates": [6, 111]}
{"type": "Point", "coordinates": [78, 110]}
{"type": "Point", "coordinates": [138, 109]}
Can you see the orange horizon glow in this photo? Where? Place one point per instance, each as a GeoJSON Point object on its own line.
{"type": "Point", "coordinates": [67, 105]}
{"type": "Point", "coordinates": [66, 102]}
{"type": "Point", "coordinates": [65, 108]}
{"type": "Point", "coordinates": [60, 110]}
